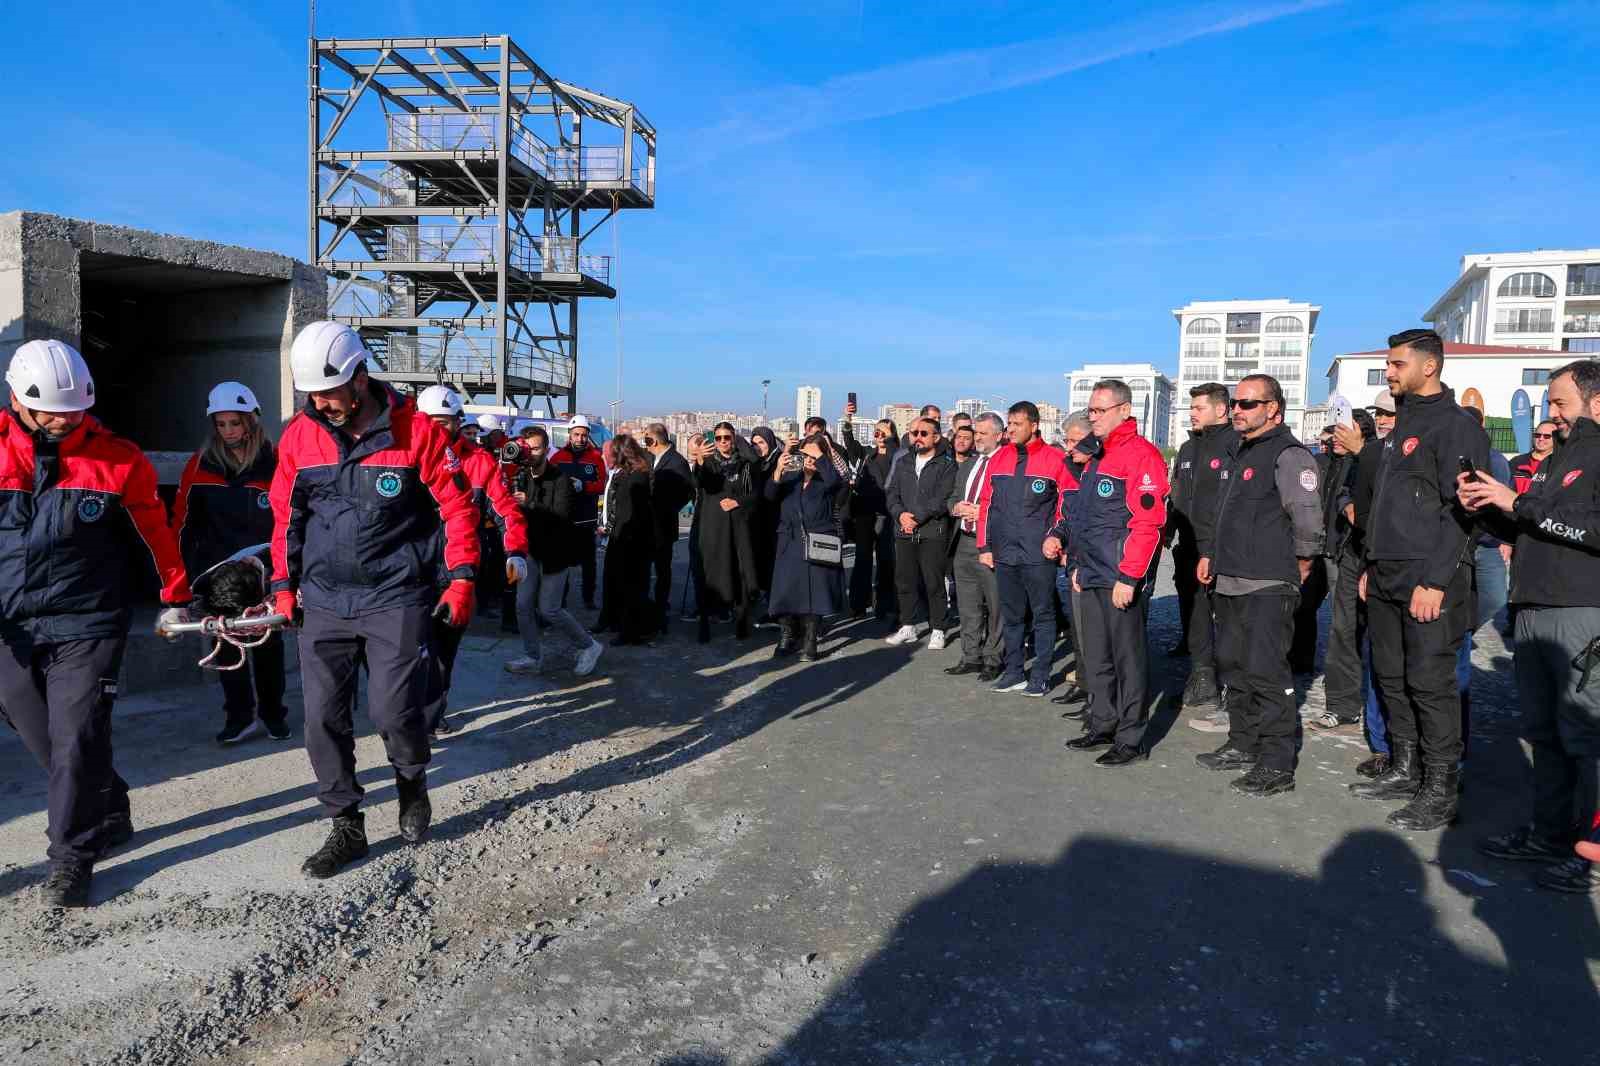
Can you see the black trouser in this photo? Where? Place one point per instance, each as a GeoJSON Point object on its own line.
{"type": "Point", "coordinates": [864, 533]}
{"type": "Point", "coordinates": [1112, 643]}
{"type": "Point", "coordinates": [627, 578]}
{"type": "Point", "coordinates": [981, 621]}
{"type": "Point", "coordinates": [1414, 667]}
{"type": "Point", "coordinates": [491, 570]}
{"type": "Point", "coordinates": [1313, 590]}
{"type": "Point", "coordinates": [1560, 720]}
{"type": "Point", "coordinates": [394, 647]}
{"type": "Point", "coordinates": [1253, 634]}
{"type": "Point", "coordinates": [256, 688]}
{"type": "Point", "coordinates": [1184, 561]}
{"type": "Point", "coordinates": [1342, 667]}
{"type": "Point", "coordinates": [583, 539]}
{"type": "Point", "coordinates": [1199, 631]}
{"type": "Point", "coordinates": [444, 643]}
{"type": "Point", "coordinates": [661, 560]}
{"type": "Point", "coordinates": [1023, 589]}
{"type": "Point", "coordinates": [58, 697]}
{"type": "Point", "coordinates": [920, 566]}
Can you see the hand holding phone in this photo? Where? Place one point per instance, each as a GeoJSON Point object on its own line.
{"type": "Point", "coordinates": [1467, 468]}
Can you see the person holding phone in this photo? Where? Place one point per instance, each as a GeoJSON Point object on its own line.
{"type": "Point", "coordinates": [804, 592]}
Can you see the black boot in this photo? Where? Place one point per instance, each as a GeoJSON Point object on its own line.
{"type": "Point", "coordinates": [1435, 804]}
{"type": "Point", "coordinates": [1401, 780]}
{"type": "Point", "coordinates": [808, 645]}
{"type": "Point", "coordinates": [788, 636]}
{"type": "Point", "coordinates": [67, 885]}
{"type": "Point", "coordinates": [347, 842]}
{"type": "Point", "coordinates": [415, 810]}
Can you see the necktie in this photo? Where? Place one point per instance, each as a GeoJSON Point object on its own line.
{"type": "Point", "coordinates": [969, 525]}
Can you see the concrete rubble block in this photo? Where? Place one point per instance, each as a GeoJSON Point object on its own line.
{"type": "Point", "coordinates": [55, 255]}
{"type": "Point", "coordinates": [42, 227]}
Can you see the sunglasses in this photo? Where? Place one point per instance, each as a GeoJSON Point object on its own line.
{"type": "Point", "coordinates": [1544, 436]}
{"type": "Point", "coordinates": [1249, 405]}
{"type": "Point", "coordinates": [920, 433]}
{"type": "Point", "coordinates": [723, 436]}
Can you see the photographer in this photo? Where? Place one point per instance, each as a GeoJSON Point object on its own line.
{"type": "Point", "coordinates": [804, 484]}
{"type": "Point", "coordinates": [546, 497]}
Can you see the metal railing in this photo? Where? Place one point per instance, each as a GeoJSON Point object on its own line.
{"type": "Point", "coordinates": [390, 188]}
{"type": "Point", "coordinates": [1538, 324]}
{"type": "Point", "coordinates": [1583, 288]}
{"type": "Point", "coordinates": [1589, 323]}
{"type": "Point", "coordinates": [474, 242]}
{"type": "Point", "coordinates": [461, 132]}
{"type": "Point", "coordinates": [471, 356]}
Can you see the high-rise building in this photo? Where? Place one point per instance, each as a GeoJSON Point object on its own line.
{"type": "Point", "coordinates": [1050, 417]}
{"type": "Point", "coordinates": [1228, 340]}
{"type": "Point", "coordinates": [807, 403]}
{"type": "Point", "coordinates": [1545, 300]}
{"type": "Point", "coordinates": [972, 407]}
{"type": "Point", "coordinates": [1152, 395]}
{"type": "Point", "coordinates": [900, 414]}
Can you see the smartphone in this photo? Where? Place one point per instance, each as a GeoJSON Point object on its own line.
{"type": "Point", "coordinates": [1467, 467]}
{"type": "Point", "coordinates": [851, 399]}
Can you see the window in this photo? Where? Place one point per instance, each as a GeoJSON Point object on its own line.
{"type": "Point", "coordinates": [1583, 279]}
{"type": "Point", "coordinates": [1535, 376]}
{"type": "Point", "coordinates": [1250, 323]}
{"type": "Point", "coordinates": [1584, 344]}
{"type": "Point", "coordinates": [1375, 376]}
{"type": "Point", "coordinates": [1202, 350]}
{"type": "Point", "coordinates": [1284, 372]}
{"type": "Point", "coordinates": [1583, 323]}
{"type": "Point", "coordinates": [1530, 284]}
{"type": "Point", "coordinates": [1244, 350]}
{"type": "Point", "coordinates": [1284, 324]}
{"type": "Point", "coordinates": [1200, 372]}
{"type": "Point", "coordinates": [1282, 350]}
{"type": "Point", "coordinates": [1203, 325]}
{"type": "Point", "coordinates": [1525, 320]}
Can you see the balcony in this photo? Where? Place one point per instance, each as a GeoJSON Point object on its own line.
{"type": "Point", "coordinates": [468, 357]}
{"type": "Point", "coordinates": [474, 243]}
{"type": "Point", "coordinates": [1587, 323]}
{"type": "Point", "coordinates": [565, 165]}
{"type": "Point", "coordinates": [1532, 324]}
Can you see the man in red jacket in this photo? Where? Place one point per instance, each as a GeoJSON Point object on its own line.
{"type": "Point", "coordinates": [1117, 516]}
{"type": "Point", "coordinates": [581, 461]}
{"type": "Point", "coordinates": [81, 518]}
{"type": "Point", "coordinates": [364, 482]}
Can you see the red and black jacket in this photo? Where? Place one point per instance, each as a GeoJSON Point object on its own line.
{"type": "Point", "coordinates": [1119, 511]}
{"type": "Point", "coordinates": [1523, 467]}
{"type": "Point", "coordinates": [588, 472]}
{"type": "Point", "coordinates": [1020, 502]}
{"type": "Point", "coordinates": [492, 496]}
{"type": "Point", "coordinates": [354, 521]}
{"type": "Point", "coordinates": [217, 512]}
{"type": "Point", "coordinates": [80, 526]}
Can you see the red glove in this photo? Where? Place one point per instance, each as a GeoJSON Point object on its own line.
{"type": "Point", "coordinates": [287, 603]}
{"type": "Point", "coordinates": [455, 606]}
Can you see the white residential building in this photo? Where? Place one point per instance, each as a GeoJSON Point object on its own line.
{"type": "Point", "coordinates": [807, 403]}
{"type": "Point", "coordinates": [1152, 395]}
{"type": "Point", "coordinates": [1545, 299]}
{"type": "Point", "coordinates": [972, 407]}
{"type": "Point", "coordinates": [1496, 371]}
{"type": "Point", "coordinates": [1228, 340]}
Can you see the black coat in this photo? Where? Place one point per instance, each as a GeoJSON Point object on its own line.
{"type": "Point", "coordinates": [720, 540]}
{"type": "Point", "coordinates": [548, 510]}
{"type": "Point", "coordinates": [798, 585]}
{"type": "Point", "coordinates": [926, 497]}
{"type": "Point", "coordinates": [629, 516]}
{"type": "Point", "coordinates": [671, 487]}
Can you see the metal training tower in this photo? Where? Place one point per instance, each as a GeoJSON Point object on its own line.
{"type": "Point", "coordinates": [448, 179]}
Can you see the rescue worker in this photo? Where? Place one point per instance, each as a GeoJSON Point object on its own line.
{"type": "Point", "coordinates": [82, 525]}
{"type": "Point", "coordinates": [1117, 516]}
{"type": "Point", "coordinates": [492, 498]}
{"type": "Point", "coordinates": [495, 596]}
{"type": "Point", "coordinates": [363, 483]}
{"type": "Point", "coordinates": [222, 507]}
{"type": "Point", "coordinates": [582, 462]}
{"type": "Point", "coordinates": [1268, 534]}
{"type": "Point", "coordinates": [1418, 583]}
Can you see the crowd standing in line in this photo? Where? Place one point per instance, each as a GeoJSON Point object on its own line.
{"type": "Point", "coordinates": [373, 521]}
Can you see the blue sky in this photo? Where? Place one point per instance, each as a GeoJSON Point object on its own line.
{"type": "Point", "coordinates": [913, 201]}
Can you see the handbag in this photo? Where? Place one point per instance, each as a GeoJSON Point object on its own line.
{"type": "Point", "coordinates": [825, 549]}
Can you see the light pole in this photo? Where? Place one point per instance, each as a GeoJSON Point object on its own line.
{"type": "Point", "coordinates": [764, 383]}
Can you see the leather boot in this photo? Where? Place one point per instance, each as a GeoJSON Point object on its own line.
{"type": "Point", "coordinates": [1402, 779]}
{"type": "Point", "coordinates": [788, 636]}
{"type": "Point", "coordinates": [808, 646]}
{"type": "Point", "coordinates": [415, 811]}
{"type": "Point", "coordinates": [1435, 804]}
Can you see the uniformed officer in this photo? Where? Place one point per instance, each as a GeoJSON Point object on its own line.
{"type": "Point", "coordinates": [586, 466]}
{"type": "Point", "coordinates": [82, 524]}
{"type": "Point", "coordinates": [363, 483]}
{"type": "Point", "coordinates": [1268, 531]}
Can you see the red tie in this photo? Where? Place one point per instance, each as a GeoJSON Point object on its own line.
{"type": "Point", "coordinates": [970, 525]}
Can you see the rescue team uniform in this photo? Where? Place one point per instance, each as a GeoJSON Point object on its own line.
{"type": "Point", "coordinates": [80, 528]}
{"type": "Point", "coordinates": [1018, 506]}
{"type": "Point", "coordinates": [587, 469]}
{"type": "Point", "coordinates": [216, 514]}
{"type": "Point", "coordinates": [493, 500]}
{"type": "Point", "coordinates": [353, 531]}
{"type": "Point", "coordinates": [1523, 469]}
{"type": "Point", "coordinates": [1117, 516]}
{"type": "Point", "coordinates": [1196, 482]}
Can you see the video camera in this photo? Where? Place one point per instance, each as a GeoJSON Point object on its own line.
{"type": "Point", "coordinates": [514, 451]}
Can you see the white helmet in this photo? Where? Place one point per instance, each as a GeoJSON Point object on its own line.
{"type": "Point", "coordinates": [232, 396]}
{"type": "Point", "coordinates": [578, 422]}
{"type": "Point", "coordinates": [490, 423]}
{"type": "Point", "coordinates": [50, 376]}
{"type": "Point", "coordinates": [439, 400]}
{"type": "Point", "coordinates": [325, 355]}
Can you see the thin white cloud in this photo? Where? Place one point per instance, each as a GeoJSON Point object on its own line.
{"type": "Point", "coordinates": [942, 79]}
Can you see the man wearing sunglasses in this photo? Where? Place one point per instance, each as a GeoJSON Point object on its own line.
{"type": "Point", "coordinates": [1269, 531]}
{"type": "Point", "coordinates": [918, 503]}
{"type": "Point", "coordinates": [1526, 465]}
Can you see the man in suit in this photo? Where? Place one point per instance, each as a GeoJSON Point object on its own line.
{"type": "Point", "coordinates": [670, 490]}
{"type": "Point", "coordinates": [976, 583]}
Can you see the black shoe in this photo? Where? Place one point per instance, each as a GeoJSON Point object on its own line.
{"type": "Point", "coordinates": [415, 810]}
{"type": "Point", "coordinates": [238, 728]}
{"type": "Point", "coordinates": [1400, 782]}
{"type": "Point", "coordinates": [960, 669]}
{"type": "Point", "coordinates": [1436, 802]}
{"type": "Point", "coordinates": [347, 842]}
{"type": "Point", "coordinates": [808, 639]}
{"type": "Point", "coordinates": [1524, 845]}
{"type": "Point", "coordinates": [1200, 694]}
{"type": "Point", "coordinates": [1121, 755]}
{"type": "Point", "coordinates": [115, 831]}
{"type": "Point", "coordinates": [277, 728]}
{"type": "Point", "coordinates": [1091, 741]}
{"type": "Point", "coordinates": [67, 885]}
{"type": "Point", "coordinates": [1074, 714]}
{"type": "Point", "coordinates": [988, 674]}
{"type": "Point", "coordinates": [1263, 782]}
{"type": "Point", "coordinates": [1070, 694]}
{"type": "Point", "coordinates": [441, 728]}
{"type": "Point", "coordinates": [788, 637]}
{"type": "Point", "coordinates": [1376, 766]}
{"type": "Point", "coordinates": [1226, 757]}
{"type": "Point", "coordinates": [1575, 875]}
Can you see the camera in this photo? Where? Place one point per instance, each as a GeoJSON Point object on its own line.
{"type": "Point", "coordinates": [514, 451]}
{"type": "Point", "coordinates": [794, 461]}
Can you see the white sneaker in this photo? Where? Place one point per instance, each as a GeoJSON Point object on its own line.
{"type": "Point", "coordinates": [524, 664]}
{"type": "Point", "coordinates": [903, 635]}
{"type": "Point", "coordinates": [587, 658]}
{"type": "Point", "coordinates": [936, 640]}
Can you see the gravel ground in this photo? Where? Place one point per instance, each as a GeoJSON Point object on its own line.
{"type": "Point", "coordinates": [700, 855]}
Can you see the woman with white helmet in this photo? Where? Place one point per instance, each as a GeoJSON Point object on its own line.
{"type": "Point", "coordinates": [223, 506]}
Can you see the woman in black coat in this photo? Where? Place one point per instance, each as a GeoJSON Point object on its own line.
{"type": "Point", "coordinates": [764, 453]}
{"type": "Point", "coordinates": [804, 485]}
{"type": "Point", "coordinates": [725, 495]}
{"type": "Point", "coordinates": [630, 543]}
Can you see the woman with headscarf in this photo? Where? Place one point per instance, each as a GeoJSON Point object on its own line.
{"type": "Point", "coordinates": [765, 451]}
{"type": "Point", "coordinates": [725, 495]}
{"type": "Point", "coordinates": [610, 592]}
{"type": "Point", "coordinates": [871, 526]}
{"type": "Point", "coordinates": [804, 485]}
{"type": "Point", "coordinates": [630, 543]}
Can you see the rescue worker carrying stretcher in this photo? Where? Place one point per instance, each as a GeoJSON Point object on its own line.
{"type": "Point", "coordinates": [363, 483]}
{"type": "Point", "coordinates": [80, 523]}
